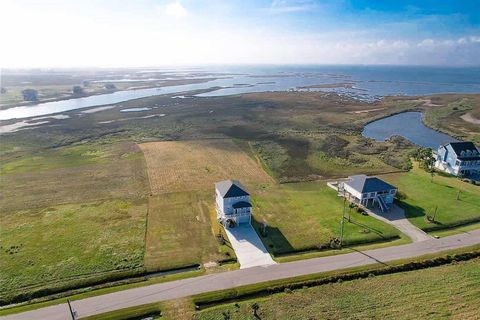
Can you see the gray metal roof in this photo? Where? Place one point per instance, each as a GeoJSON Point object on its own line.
{"type": "Point", "coordinates": [363, 183]}
{"type": "Point", "coordinates": [231, 188]}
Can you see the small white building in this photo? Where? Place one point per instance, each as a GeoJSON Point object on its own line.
{"type": "Point", "coordinates": [369, 191]}
{"type": "Point", "coordinates": [232, 203]}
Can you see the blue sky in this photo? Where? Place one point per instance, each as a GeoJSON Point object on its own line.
{"type": "Point", "coordinates": [176, 32]}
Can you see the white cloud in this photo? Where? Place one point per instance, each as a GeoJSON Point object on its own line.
{"type": "Point", "coordinates": [174, 9]}
{"type": "Point", "coordinates": [285, 6]}
{"type": "Point", "coordinates": [48, 34]}
{"type": "Point", "coordinates": [426, 43]}
{"type": "Point", "coordinates": [475, 39]}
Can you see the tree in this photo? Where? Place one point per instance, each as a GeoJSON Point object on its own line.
{"type": "Point", "coordinates": [77, 90]}
{"type": "Point", "coordinates": [425, 157]}
{"type": "Point", "coordinates": [86, 83]}
{"type": "Point", "coordinates": [3, 90]}
{"type": "Point", "coordinates": [255, 308]}
{"type": "Point", "coordinates": [30, 95]}
{"type": "Point", "coordinates": [226, 315]}
{"type": "Point", "coordinates": [110, 86]}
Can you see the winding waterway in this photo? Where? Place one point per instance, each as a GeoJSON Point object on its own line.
{"type": "Point", "coordinates": [408, 125]}
{"type": "Point", "coordinates": [365, 83]}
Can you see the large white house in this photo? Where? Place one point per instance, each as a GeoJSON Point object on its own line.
{"type": "Point", "coordinates": [232, 203]}
{"type": "Point", "coordinates": [369, 191]}
{"type": "Point", "coordinates": [459, 159]}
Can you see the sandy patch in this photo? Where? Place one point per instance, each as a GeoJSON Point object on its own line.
{"type": "Point", "coordinates": [427, 102]}
{"type": "Point", "coordinates": [365, 111]}
{"type": "Point", "coordinates": [18, 126]}
{"type": "Point", "coordinates": [469, 118]}
{"type": "Point", "coordinates": [98, 109]}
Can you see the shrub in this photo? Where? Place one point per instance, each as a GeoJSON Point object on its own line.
{"type": "Point", "coordinates": [110, 86]}
{"type": "Point", "coordinates": [77, 90]}
{"type": "Point", "coordinates": [30, 95]}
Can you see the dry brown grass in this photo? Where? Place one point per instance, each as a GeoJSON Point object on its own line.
{"type": "Point", "coordinates": [175, 166]}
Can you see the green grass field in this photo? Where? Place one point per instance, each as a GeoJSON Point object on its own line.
{"type": "Point", "coordinates": [70, 213]}
{"type": "Point", "coordinates": [445, 292]}
{"type": "Point", "coordinates": [65, 241]}
{"type": "Point", "coordinates": [423, 195]}
{"type": "Point", "coordinates": [306, 215]}
{"type": "Point", "coordinates": [56, 178]}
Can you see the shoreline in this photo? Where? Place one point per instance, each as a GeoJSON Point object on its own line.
{"type": "Point", "coordinates": [72, 97]}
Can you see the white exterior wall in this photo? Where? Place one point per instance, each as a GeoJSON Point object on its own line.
{"type": "Point", "coordinates": [225, 208]}
{"type": "Point", "coordinates": [447, 161]}
{"type": "Point", "coordinates": [219, 204]}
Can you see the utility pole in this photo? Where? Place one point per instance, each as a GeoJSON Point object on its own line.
{"type": "Point", "coordinates": [343, 219]}
{"type": "Point", "coordinates": [435, 213]}
{"type": "Point", "coordinates": [72, 312]}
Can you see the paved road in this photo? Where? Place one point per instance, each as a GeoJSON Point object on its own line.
{"type": "Point", "coordinates": [396, 217]}
{"type": "Point", "coordinates": [248, 247]}
{"type": "Point", "coordinates": [231, 279]}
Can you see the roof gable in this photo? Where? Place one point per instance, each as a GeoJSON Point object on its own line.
{"type": "Point", "coordinates": [465, 150]}
{"type": "Point", "coordinates": [231, 188]}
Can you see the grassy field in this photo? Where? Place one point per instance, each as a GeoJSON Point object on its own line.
{"type": "Point", "coordinates": [182, 175]}
{"type": "Point", "coordinates": [179, 166]}
{"type": "Point", "coordinates": [306, 215]}
{"type": "Point", "coordinates": [180, 233]}
{"type": "Point", "coordinates": [447, 116]}
{"type": "Point", "coordinates": [65, 241]}
{"type": "Point", "coordinates": [90, 164]}
{"type": "Point", "coordinates": [423, 196]}
{"type": "Point", "coordinates": [56, 228]}
{"type": "Point", "coordinates": [445, 292]}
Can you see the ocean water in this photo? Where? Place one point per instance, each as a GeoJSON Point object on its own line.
{"type": "Point", "coordinates": [365, 83]}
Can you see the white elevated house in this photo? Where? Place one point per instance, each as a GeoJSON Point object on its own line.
{"type": "Point", "coordinates": [232, 203]}
{"type": "Point", "coordinates": [459, 158]}
{"type": "Point", "coordinates": [368, 191]}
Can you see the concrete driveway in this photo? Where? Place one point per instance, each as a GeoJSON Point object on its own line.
{"type": "Point", "coordinates": [248, 247]}
{"type": "Point", "coordinates": [396, 217]}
